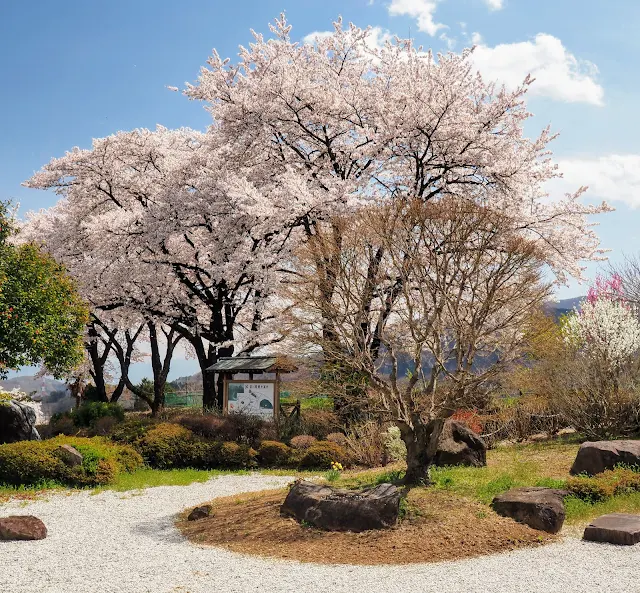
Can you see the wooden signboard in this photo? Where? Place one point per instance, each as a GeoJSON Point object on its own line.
{"type": "Point", "coordinates": [257, 398]}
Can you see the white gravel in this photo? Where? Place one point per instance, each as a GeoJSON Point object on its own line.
{"type": "Point", "coordinates": [125, 542]}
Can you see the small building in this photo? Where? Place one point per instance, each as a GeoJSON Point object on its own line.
{"type": "Point", "coordinates": [245, 393]}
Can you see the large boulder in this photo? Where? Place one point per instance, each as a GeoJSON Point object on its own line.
{"type": "Point", "coordinates": [540, 508]}
{"type": "Point", "coordinates": [25, 527]}
{"type": "Point", "coordinates": [342, 510]}
{"type": "Point", "coordinates": [459, 445]}
{"type": "Point", "coordinates": [17, 422]}
{"type": "Point", "coordinates": [595, 457]}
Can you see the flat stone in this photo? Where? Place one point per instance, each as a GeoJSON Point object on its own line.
{"type": "Point", "coordinates": [597, 456]}
{"type": "Point", "coordinates": [199, 513]}
{"type": "Point", "coordinates": [69, 455]}
{"type": "Point", "coordinates": [539, 508]}
{"type": "Point", "coordinates": [335, 509]}
{"type": "Point", "coordinates": [616, 528]}
{"type": "Point", "coordinates": [22, 527]}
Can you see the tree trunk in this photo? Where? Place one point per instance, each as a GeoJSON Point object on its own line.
{"type": "Point", "coordinates": [159, 365]}
{"type": "Point", "coordinates": [210, 399]}
{"type": "Point", "coordinates": [422, 444]}
{"type": "Point", "coordinates": [124, 355]}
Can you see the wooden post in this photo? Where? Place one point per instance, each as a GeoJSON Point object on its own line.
{"type": "Point", "coordinates": [276, 404]}
{"type": "Point", "coordinates": [225, 395]}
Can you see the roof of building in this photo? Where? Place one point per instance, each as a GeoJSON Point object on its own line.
{"type": "Point", "coordinates": [249, 364]}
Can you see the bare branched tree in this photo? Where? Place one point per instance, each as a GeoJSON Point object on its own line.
{"type": "Point", "coordinates": [441, 289]}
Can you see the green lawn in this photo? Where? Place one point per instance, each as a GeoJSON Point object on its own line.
{"type": "Point", "coordinates": [544, 464]}
{"type": "Point", "coordinates": [142, 478]}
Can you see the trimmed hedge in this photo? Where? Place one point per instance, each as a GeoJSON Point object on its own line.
{"type": "Point", "coordinates": [321, 454]}
{"type": "Point", "coordinates": [274, 453]}
{"type": "Point", "coordinates": [32, 462]}
{"type": "Point", "coordinates": [173, 446]}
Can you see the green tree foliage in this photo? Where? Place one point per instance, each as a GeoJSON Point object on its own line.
{"type": "Point", "coordinates": [42, 317]}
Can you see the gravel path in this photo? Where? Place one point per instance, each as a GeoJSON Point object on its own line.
{"type": "Point", "coordinates": [126, 543]}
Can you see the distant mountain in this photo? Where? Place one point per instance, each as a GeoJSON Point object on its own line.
{"type": "Point", "coordinates": [187, 383]}
{"type": "Point", "coordinates": [49, 395]}
{"type": "Point", "coordinates": [564, 306]}
{"type": "Point", "coordinates": [40, 388]}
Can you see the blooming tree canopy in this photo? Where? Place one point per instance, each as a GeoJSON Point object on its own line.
{"type": "Point", "coordinates": [360, 122]}
{"type": "Point", "coordinates": [606, 328]}
{"type": "Point", "coordinates": [156, 225]}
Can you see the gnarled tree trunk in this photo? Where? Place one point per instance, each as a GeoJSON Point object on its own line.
{"type": "Point", "coordinates": [422, 444]}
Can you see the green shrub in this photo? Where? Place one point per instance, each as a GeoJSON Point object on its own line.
{"type": "Point", "coordinates": [62, 424]}
{"type": "Point", "coordinates": [132, 429]}
{"type": "Point", "coordinates": [273, 453]}
{"type": "Point", "coordinates": [90, 412]}
{"type": "Point", "coordinates": [236, 455]}
{"type": "Point", "coordinates": [321, 454]}
{"type": "Point", "coordinates": [295, 457]}
{"type": "Point", "coordinates": [168, 445]}
{"type": "Point", "coordinates": [605, 485]}
{"type": "Point", "coordinates": [33, 462]}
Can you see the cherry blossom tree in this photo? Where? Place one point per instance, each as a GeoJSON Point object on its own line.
{"type": "Point", "coordinates": [179, 238]}
{"type": "Point", "coordinates": [359, 122]}
{"type": "Point", "coordinates": [597, 382]}
{"type": "Point", "coordinates": [605, 329]}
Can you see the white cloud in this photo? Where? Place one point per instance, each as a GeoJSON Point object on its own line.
{"type": "Point", "coordinates": [614, 177]}
{"type": "Point", "coordinates": [494, 4]}
{"type": "Point", "coordinates": [559, 74]}
{"type": "Point", "coordinates": [422, 10]}
{"type": "Point", "coordinates": [376, 39]}
{"type": "Point", "coordinates": [310, 39]}
{"type": "Point", "coordinates": [450, 41]}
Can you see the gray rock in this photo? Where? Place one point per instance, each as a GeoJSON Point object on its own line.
{"type": "Point", "coordinates": [615, 528]}
{"type": "Point", "coordinates": [25, 527]}
{"type": "Point", "coordinates": [459, 445]}
{"type": "Point", "coordinates": [199, 513]}
{"type": "Point", "coordinates": [69, 455]}
{"type": "Point", "coordinates": [540, 508]}
{"type": "Point", "coordinates": [17, 422]}
{"type": "Point", "coordinates": [595, 457]}
{"type": "Point", "coordinates": [343, 510]}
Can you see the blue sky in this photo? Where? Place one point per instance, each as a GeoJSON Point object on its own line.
{"type": "Point", "coordinates": [75, 70]}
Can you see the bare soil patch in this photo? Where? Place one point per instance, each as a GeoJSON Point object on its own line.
{"type": "Point", "coordinates": [437, 526]}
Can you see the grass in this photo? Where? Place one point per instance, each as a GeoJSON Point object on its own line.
{"type": "Point", "coordinates": [142, 478]}
{"type": "Point", "coordinates": [580, 511]}
{"type": "Point", "coordinates": [149, 478]}
{"type": "Point", "coordinates": [540, 464]}
{"type": "Point", "coordinates": [310, 403]}
{"type": "Point", "coordinates": [28, 492]}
